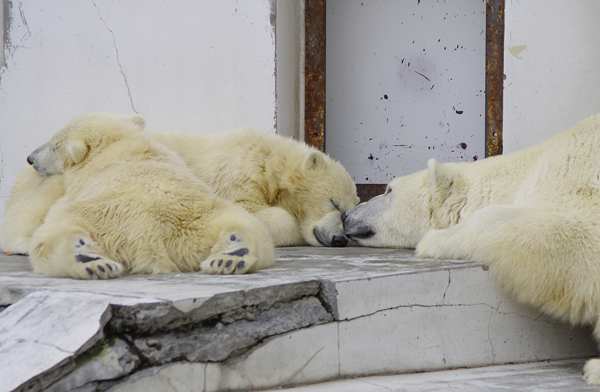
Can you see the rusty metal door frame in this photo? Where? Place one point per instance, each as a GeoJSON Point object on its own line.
{"type": "Point", "coordinates": [314, 95]}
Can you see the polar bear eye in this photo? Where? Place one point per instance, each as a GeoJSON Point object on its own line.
{"type": "Point", "coordinates": [336, 205]}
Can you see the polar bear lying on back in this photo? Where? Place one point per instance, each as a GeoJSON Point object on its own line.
{"type": "Point", "coordinates": [131, 205]}
{"type": "Point", "coordinates": [533, 216]}
{"type": "Point", "coordinates": [297, 192]}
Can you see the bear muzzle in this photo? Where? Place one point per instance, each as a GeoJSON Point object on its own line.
{"type": "Point", "coordinates": [355, 229]}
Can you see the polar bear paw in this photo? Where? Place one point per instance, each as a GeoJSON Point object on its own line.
{"type": "Point", "coordinates": [591, 372]}
{"type": "Point", "coordinates": [432, 245]}
{"type": "Point", "coordinates": [231, 255]}
{"type": "Point", "coordinates": [89, 265]}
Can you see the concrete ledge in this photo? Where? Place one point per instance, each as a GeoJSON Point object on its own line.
{"type": "Point", "coordinates": [547, 376]}
{"type": "Point", "coordinates": [320, 314]}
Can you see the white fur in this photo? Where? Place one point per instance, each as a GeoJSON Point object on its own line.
{"type": "Point", "coordinates": [131, 205]}
{"type": "Point", "coordinates": [297, 192]}
{"type": "Point", "coordinates": [290, 186]}
{"type": "Point", "coordinates": [533, 216]}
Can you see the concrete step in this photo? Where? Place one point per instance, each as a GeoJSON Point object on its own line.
{"type": "Point", "coordinates": [320, 314]}
{"type": "Point", "coordinates": [547, 376]}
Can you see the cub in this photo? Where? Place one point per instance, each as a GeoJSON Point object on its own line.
{"type": "Point", "coordinates": [131, 205]}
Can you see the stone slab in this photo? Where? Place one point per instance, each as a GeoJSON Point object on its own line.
{"type": "Point", "coordinates": [293, 265]}
{"type": "Point", "coordinates": [44, 330]}
{"type": "Point", "coordinates": [547, 376]}
{"type": "Point", "coordinates": [376, 311]}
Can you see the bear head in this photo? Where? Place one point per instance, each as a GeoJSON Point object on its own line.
{"type": "Point", "coordinates": [86, 134]}
{"type": "Point", "coordinates": [322, 191]}
{"type": "Point", "coordinates": [410, 207]}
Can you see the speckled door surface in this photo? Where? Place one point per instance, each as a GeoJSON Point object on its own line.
{"type": "Point", "coordinates": [405, 82]}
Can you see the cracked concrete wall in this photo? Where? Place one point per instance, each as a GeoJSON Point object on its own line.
{"type": "Point", "coordinates": [197, 67]}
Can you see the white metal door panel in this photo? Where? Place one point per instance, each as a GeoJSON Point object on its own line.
{"type": "Point", "coordinates": [405, 82]}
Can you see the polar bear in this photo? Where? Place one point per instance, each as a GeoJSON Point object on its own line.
{"type": "Point", "coordinates": [131, 205]}
{"type": "Point", "coordinates": [533, 216]}
{"type": "Point", "coordinates": [296, 191]}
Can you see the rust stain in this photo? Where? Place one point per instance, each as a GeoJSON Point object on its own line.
{"type": "Point", "coordinates": [314, 95]}
{"type": "Point", "coordinates": [368, 191]}
{"type": "Point", "coordinates": [494, 76]}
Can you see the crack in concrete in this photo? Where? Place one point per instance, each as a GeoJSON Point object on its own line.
{"type": "Point", "coordinates": [53, 346]}
{"type": "Point", "coordinates": [377, 385]}
{"type": "Point", "coordinates": [8, 20]}
{"type": "Point", "coordinates": [303, 367]}
{"type": "Point", "coordinates": [496, 309]}
{"type": "Point", "coordinates": [489, 336]}
{"type": "Point", "coordinates": [22, 13]}
{"type": "Point", "coordinates": [117, 54]}
{"type": "Point", "coordinates": [447, 287]}
{"type": "Point", "coordinates": [233, 334]}
{"type": "Point", "coordinates": [338, 349]}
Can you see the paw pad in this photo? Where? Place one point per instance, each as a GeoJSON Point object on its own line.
{"type": "Point", "coordinates": [97, 267]}
{"type": "Point", "coordinates": [239, 252]}
{"type": "Point", "coordinates": [231, 254]}
{"type": "Point", "coordinates": [81, 258]}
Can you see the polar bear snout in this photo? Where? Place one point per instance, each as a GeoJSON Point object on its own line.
{"type": "Point", "coordinates": [328, 231]}
{"type": "Point", "coordinates": [361, 221]}
{"type": "Point", "coordinates": [325, 237]}
{"type": "Point", "coordinates": [45, 160]}
{"type": "Point", "coordinates": [339, 241]}
{"type": "Point", "coordinates": [357, 230]}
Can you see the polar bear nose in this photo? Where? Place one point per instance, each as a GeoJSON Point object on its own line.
{"type": "Point", "coordinates": [29, 160]}
{"type": "Point", "coordinates": [339, 241]}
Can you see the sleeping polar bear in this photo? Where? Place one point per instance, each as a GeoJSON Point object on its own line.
{"type": "Point", "coordinates": [296, 191]}
{"type": "Point", "coordinates": [131, 205]}
{"type": "Point", "coordinates": [533, 216]}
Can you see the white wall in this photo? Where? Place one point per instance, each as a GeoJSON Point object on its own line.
{"type": "Point", "coordinates": [191, 66]}
{"type": "Point", "coordinates": [405, 83]}
{"type": "Point", "coordinates": [290, 68]}
{"type": "Point", "coordinates": [552, 68]}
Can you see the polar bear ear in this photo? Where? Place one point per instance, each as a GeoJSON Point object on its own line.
{"type": "Point", "coordinates": [440, 178]}
{"type": "Point", "coordinates": [138, 121]}
{"type": "Point", "coordinates": [77, 150]}
{"type": "Point", "coordinates": [314, 161]}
